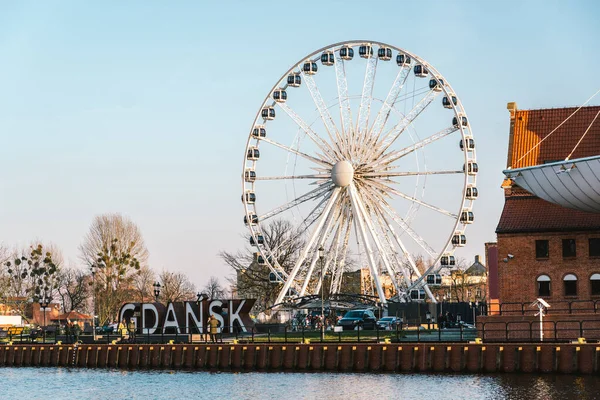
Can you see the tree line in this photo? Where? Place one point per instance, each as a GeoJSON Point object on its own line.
{"type": "Point", "coordinates": [112, 269]}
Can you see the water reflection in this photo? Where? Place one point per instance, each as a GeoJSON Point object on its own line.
{"type": "Point", "coordinates": [48, 383]}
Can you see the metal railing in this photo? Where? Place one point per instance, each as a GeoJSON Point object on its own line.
{"type": "Point", "coordinates": [558, 307]}
{"type": "Point", "coordinates": [529, 331]}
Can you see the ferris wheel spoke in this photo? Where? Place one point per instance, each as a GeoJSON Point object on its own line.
{"type": "Point", "coordinates": [388, 189]}
{"type": "Point", "coordinates": [344, 103]}
{"type": "Point", "coordinates": [364, 109]}
{"type": "Point", "coordinates": [386, 228]}
{"type": "Point", "coordinates": [397, 130]}
{"type": "Point", "coordinates": [309, 244]}
{"type": "Point", "coordinates": [324, 235]}
{"type": "Point", "coordinates": [322, 144]}
{"type": "Point", "coordinates": [336, 286]}
{"type": "Point", "coordinates": [408, 257]}
{"type": "Point", "coordinates": [396, 155]}
{"type": "Point", "coordinates": [294, 151]}
{"type": "Point", "coordinates": [386, 108]}
{"type": "Point", "coordinates": [313, 194]}
{"type": "Point", "coordinates": [403, 225]}
{"type": "Point", "coordinates": [333, 253]}
{"type": "Point", "coordinates": [361, 225]}
{"type": "Point", "coordinates": [330, 127]}
{"type": "Point", "coordinates": [383, 254]}
{"type": "Point", "coordinates": [292, 177]}
{"type": "Point", "coordinates": [416, 173]}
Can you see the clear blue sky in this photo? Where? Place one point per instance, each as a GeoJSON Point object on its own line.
{"type": "Point", "coordinates": [143, 107]}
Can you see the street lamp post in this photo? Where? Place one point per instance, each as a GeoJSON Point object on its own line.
{"type": "Point", "coordinates": [44, 302]}
{"type": "Point", "coordinates": [94, 267]}
{"type": "Point", "coordinates": [156, 287]}
{"type": "Point", "coordinates": [322, 295]}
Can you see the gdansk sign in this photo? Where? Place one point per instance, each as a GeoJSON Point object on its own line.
{"type": "Point", "coordinates": [188, 317]}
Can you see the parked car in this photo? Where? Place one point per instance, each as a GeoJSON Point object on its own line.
{"type": "Point", "coordinates": [388, 323]}
{"type": "Point", "coordinates": [358, 319]}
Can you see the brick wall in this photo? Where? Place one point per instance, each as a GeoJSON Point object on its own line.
{"type": "Point", "coordinates": [517, 277]}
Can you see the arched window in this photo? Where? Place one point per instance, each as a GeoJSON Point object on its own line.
{"type": "Point", "coordinates": [543, 285]}
{"type": "Point", "coordinates": [570, 285]}
{"type": "Point", "coordinates": [595, 284]}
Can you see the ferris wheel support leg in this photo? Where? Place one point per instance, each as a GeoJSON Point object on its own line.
{"type": "Point", "coordinates": [302, 257]}
{"type": "Point", "coordinates": [380, 248]}
{"type": "Point", "coordinates": [361, 224]}
{"type": "Point", "coordinates": [315, 258]}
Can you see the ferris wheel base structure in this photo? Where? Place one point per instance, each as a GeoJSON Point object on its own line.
{"type": "Point", "coordinates": [361, 138]}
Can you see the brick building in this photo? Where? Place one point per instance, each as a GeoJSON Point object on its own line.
{"type": "Point", "coordinates": [543, 249]}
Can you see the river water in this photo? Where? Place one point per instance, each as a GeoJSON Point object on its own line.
{"type": "Point", "coordinates": [64, 383]}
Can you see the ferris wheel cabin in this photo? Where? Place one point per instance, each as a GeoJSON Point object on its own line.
{"type": "Point", "coordinates": [447, 260]}
{"type": "Point", "coordinates": [403, 60]}
{"type": "Point", "coordinates": [446, 102]}
{"type": "Point", "coordinates": [346, 52]}
{"type": "Point", "coordinates": [467, 217]}
{"type": "Point", "coordinates": [275, 277]}
{"type": "Point", "coordinates": [384, 53]}
{"type": "Point", "coordinates": [310, 67]}
{"type": "Point", "coordinates": [251, 219]}
{"type": "Point", "coordinates": [459, 239]}
{"type": "Point", "coordinates": [249, 197]}
{"type": "Point", "coordinates": [434, 279]}
{"type": "Point", "coordinates": [420, 71]}
{"type": "Point", "coordinates": [253, 153]}
{"type": "Point", "coordinates": [417, 294]}
{"type": "Point", "coordinates": [365, 51]}
{"type": "Point", "coordinates": [268, 113]}
{"type": "Point", "coordinates": [249, 175]}
{"type": "Point", "coordinates": [472, 168]}
{"type": "Point", "coordinates": [435, 85]}
{"type": "Point", "coordinates": [259, 131]}
{"type": "Point", "coordinates": [327, 58]}
{"type": "Point", "coordinates": [280, 95]}
{"type": "Point", "coordinates": [259, 240]}
{"type": "Point", "coordinates": [471, 193]}
{"type": "Point", "coordinates": [259, 259]}
{"type": "Point", "coordinates": [294, 79]}
{"type": "Point", "coordinates": [470, 144]}
{"type": "Point", "coordinates": [463, 120]}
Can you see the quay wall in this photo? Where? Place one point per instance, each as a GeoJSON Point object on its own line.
{"type": "Point", "coordinates": [343, 357]}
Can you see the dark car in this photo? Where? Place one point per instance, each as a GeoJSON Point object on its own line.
{"type": "Point", "coordinates": [388, 323]}
{"type": "Point", "coordinates": [358, 319]}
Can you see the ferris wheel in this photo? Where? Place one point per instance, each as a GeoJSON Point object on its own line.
{"type": "Point", "coordinates": [368, 149]}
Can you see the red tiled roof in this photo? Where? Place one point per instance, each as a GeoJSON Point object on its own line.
{"type": "Point", "coordinates": [532, 214]}
{"type": "Point", "coordinates": [531, 126]}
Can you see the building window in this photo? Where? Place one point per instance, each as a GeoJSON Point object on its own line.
{"type": "Point", "coordinates": [543, 284]}
{"type": "Point", "coordinates": [570, 284]}
{"type": "Point", "coordinates": [595, 284]}
{"type": "Point", "coordinates": [594, 247]}
{"type": "Point", "coordinates": [542, 249]}
{"type": "Point", "coordinates": [569, 249]}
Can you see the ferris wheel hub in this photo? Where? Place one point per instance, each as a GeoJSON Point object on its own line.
{"type": "Point", "coordinates": [342, 173]}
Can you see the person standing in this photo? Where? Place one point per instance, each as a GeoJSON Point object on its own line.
{"type": "Point", "coordinates": [213, 326]}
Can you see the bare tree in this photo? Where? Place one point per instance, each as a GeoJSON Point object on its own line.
{"type": "Point", "coordinates": [142, 284]}
{"type": "Point", "coordinates": [213, 288]}
{"type": "Point", "coordinates": [73, 288]}
{"type": "Point", "coordinates": [176, 286]}
{"type": "Point", "coordinates": [252, 279]}
{"type": "Point", "coordinates": [114, 246]}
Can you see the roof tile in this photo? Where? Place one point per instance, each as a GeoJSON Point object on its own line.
{"type": "Point", "coordinates": [531, 214]}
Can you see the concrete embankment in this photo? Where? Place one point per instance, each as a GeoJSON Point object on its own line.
{"type": "Point", "coordinates": [344, 357]}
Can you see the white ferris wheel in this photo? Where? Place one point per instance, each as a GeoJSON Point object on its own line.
{"type": "Point", "coordinates": [368, 149]}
